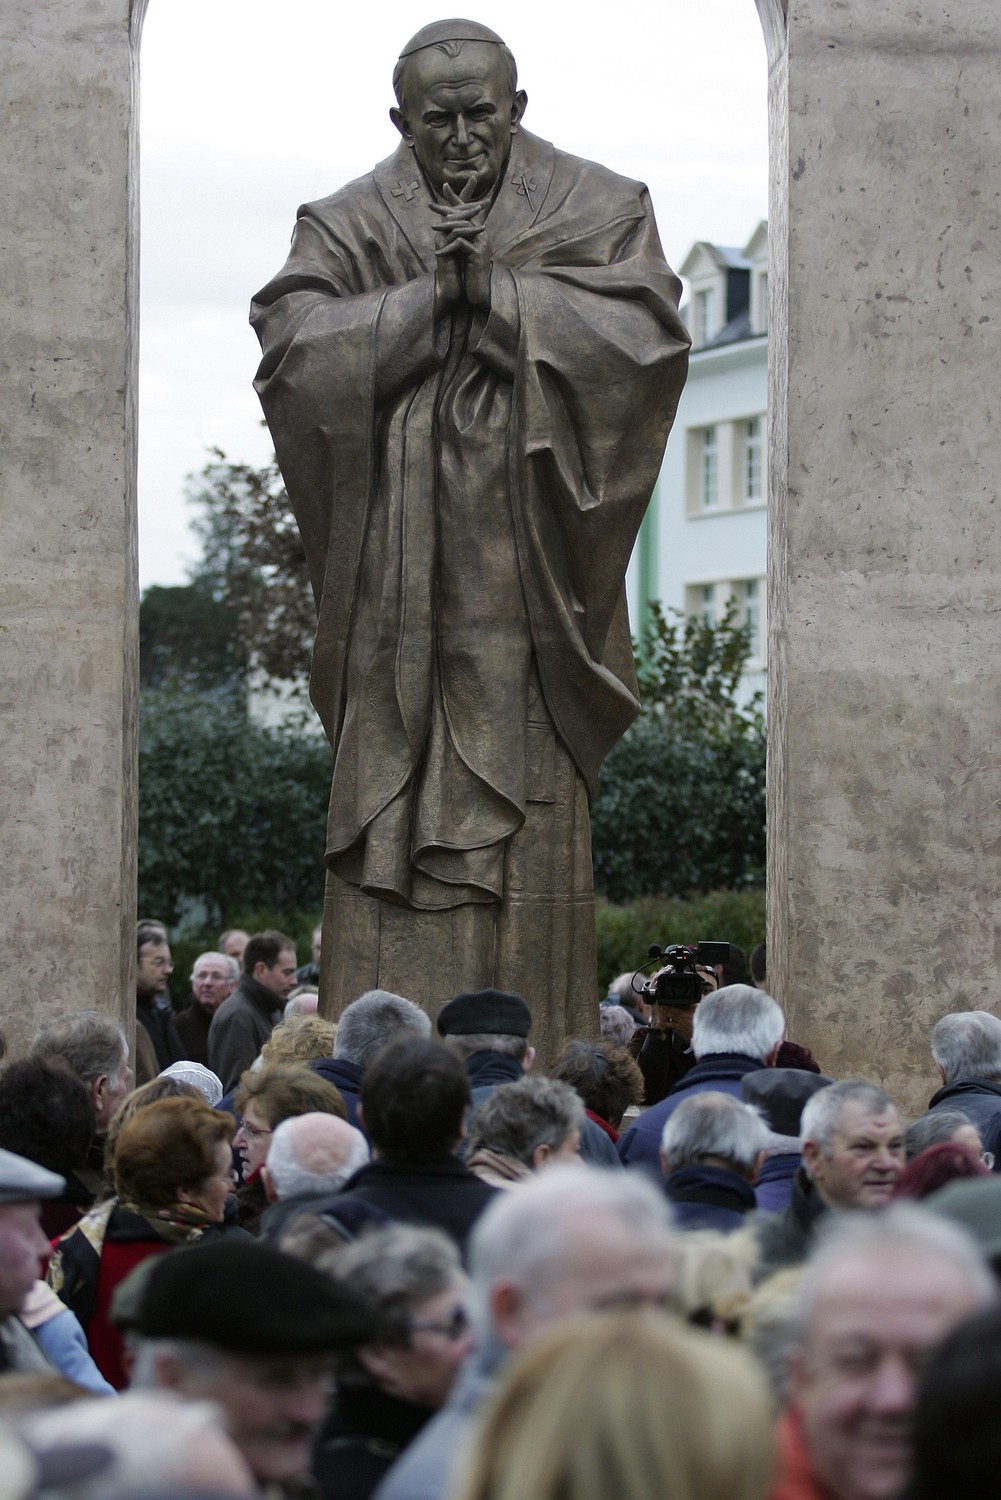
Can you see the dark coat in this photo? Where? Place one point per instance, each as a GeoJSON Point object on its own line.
{"type": "Point", "coordinates": [773, 1189]}
{"type": "Point", "coordinates": [192, 1026]}
{"type": "Point", "coordinates": [271, 1223]}
{"type": "Point", "coordinates": [442, 1193]}
{"type": "Point", "coordinates": [639, 1146]}
{"type": "Point", "coordinates": [664, 1059]}
{"type": "Point", "coordinates": [239, 1029]}
{"type": "Point", "coordinates": [345, 1076]}
{"type": "Point", "coordinates": [708, 1197]}
{"type": "Point", "coordinates": [156, 1015]}
{"type": "Point", "coordinates": [487, 1071]}
{"type": "Point", "coordinates": [977, 1098]}
{"type": "Point", "coordinates": [364, 1434]}
{"type": "Point", "coordinates": [786, 1239]}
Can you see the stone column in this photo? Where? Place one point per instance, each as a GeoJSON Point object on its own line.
{"type": "Point", "coordinates": [884, 660]}
{"type": "Point", "coordinates": [68, 596]}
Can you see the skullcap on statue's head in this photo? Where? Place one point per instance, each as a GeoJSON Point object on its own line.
{"type": "Point", "coordinates": [450, 31]}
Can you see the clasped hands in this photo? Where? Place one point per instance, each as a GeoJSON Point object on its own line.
{"type": "Point", "coordinates": [463, 251]}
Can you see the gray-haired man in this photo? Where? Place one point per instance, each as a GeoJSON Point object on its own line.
{"type": "Point", "coordinates": [735, 1031]}
{"type": "Point", "coordinates": [853, 1153]}
{"type": "Point", "coordinates": [881, 1291]}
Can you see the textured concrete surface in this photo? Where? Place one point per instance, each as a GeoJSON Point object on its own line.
{"type": "Point", "coordinates": [68, 601]}
{"type": "Point", "coordinates": [885, 548]}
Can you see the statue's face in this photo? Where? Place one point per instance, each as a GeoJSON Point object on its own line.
{"type": "Point", "coordinates": [459, 114]}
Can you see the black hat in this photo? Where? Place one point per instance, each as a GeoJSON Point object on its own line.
{"type": "Point", "coordinates": [780, 1094]}
{"type": "Point", "coordinates": [490, 1011]}
{"type": "Point", "coordinates": [246, 1298]}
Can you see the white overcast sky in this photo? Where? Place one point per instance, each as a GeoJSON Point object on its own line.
{"type": "Point", "coordinates": [251, 107]}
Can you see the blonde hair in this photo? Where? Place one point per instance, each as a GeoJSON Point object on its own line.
{"type": "Point", "coordinates": [714, 1274]}
{"type": "Point", "coordinates": [638, 1407]}
{"type": "Point", "coordinates": [299, 1038]}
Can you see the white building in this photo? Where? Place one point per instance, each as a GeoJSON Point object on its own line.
{"type": "Point", "coordinates": [703, 540]}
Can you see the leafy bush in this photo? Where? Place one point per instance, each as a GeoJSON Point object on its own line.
{"type": "Point", "coordinates": [681, 800]}
{"type": "Point", "coordinates": [679, 813]}
{"type": "Point", "coordinates": [232, 814]}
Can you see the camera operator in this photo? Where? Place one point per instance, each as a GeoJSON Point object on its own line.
{"type": "Point", "coordinates": [663, 1047]}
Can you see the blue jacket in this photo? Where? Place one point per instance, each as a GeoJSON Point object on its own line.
{"type": "Point", "coordinates": [345, 1076]}
{"type": "Point", "coordinates": [707, 1197]}
{"type": "Point", "coordinates": [773, 1189]}
{"type": "Point", "coordinates": [639, 1146]}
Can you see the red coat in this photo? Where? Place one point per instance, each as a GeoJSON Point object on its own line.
{"type": "Point", "coordinates": [795, 1479]}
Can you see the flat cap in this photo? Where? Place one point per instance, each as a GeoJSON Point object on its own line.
{"type": "Point", "coordinates": [22, 1181]}
{"type": "Point", "coordinates": [246, 1298]}
{"type": "Point", "coordinates": [780, 1094]}
{"type": "Point", "coordinates": [491, 1011]}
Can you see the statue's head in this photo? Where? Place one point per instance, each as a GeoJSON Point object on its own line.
{"type": "Point", "coordinates": [459, 103]}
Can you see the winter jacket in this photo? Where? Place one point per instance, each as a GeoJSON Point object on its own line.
{"type": "Point", "coordinates": [639, 1146]}
{"type": "Point", "coordinates": [708, 1197]}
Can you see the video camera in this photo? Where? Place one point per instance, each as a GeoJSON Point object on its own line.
{"type": "Point", "coordinates": [684, 985]}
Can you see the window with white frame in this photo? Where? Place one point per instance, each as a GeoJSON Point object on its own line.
{"type": "Point", "coordinates": [705, 315]}
{"type": "Point", "coordinates": [709, 469]}
{"type": "Point", "coordinates": [725, 466]}
{"type": "Point", "coordinates": [753, 486]}
{"type": "Point", "coordinates": [710, 600]}
{"type": "Point", "coordinates": [748, 594]}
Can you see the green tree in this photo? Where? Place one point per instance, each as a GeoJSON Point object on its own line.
{"type": "Point", "coordinates": [681, 802]}
{"type": "Point", "coordinates": [188, 636]}
{"type": "Point", "coordinates": [232, 814]}
{"type": "Point", "coordinates": [254, 564]}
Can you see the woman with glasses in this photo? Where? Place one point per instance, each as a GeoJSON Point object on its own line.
{"type": "Point", "coordinates": [412, 1283]}
{"type": "Point", "coordinates": [266, 1096]}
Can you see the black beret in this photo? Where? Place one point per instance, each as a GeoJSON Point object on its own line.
{"type": "Point", "coordinates": [487, 1011]}
{"type": "Point", "coordinates": [246, 1298]}
{"type": "Point", "coordinates": [781, 1093]}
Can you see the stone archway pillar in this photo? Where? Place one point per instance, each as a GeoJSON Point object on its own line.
{"type": "Point", "coordinates": [885, 542]}
{"type": "Point", "coordinates": [68, 568]}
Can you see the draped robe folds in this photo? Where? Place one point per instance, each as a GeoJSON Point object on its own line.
{"type": "Point", "coordinates": [468, 490]}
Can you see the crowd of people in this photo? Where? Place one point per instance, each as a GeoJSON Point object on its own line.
{"type": "Point", "coordinates": [397, 1258]}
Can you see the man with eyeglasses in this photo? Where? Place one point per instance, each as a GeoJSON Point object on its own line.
{"type": "Point", "coordinates": [157, 1042]}
{"type": "Point", "coordinates": [853, 1154]}
{"type": "Point", "coordinates": [213, 980]}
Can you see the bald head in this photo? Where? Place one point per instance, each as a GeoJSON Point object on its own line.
{"type": "Point", "coordinates": [313, 1154]}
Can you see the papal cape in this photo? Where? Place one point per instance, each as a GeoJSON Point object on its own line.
{"type": "Point", "coordinates": [468, 492]}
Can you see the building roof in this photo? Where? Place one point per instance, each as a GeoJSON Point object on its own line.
{"type": "Point", "coordinates": [725, 257]}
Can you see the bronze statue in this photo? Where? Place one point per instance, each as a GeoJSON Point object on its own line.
{"type": "Point", "coordinates": [471, 361]}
